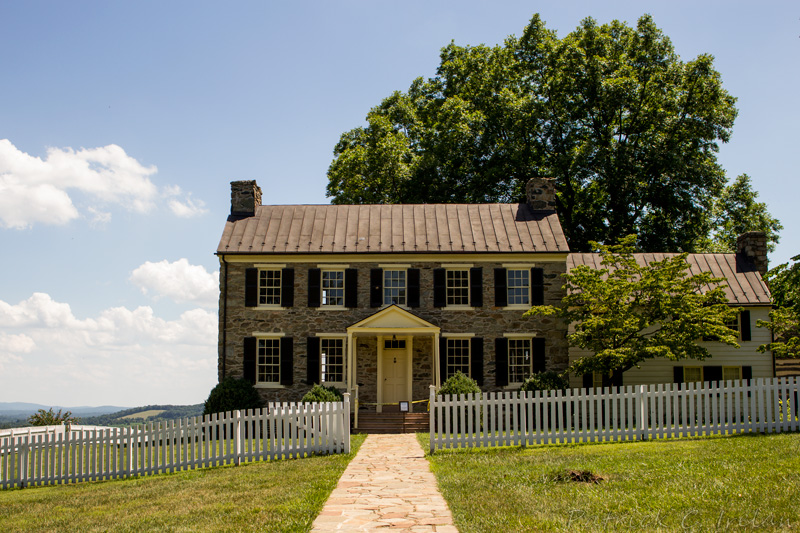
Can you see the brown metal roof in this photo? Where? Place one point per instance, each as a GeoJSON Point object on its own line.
{"type": "Point", "coordinates": [419, 228]}
{"type": "Point", "coordinates": [744, 287]}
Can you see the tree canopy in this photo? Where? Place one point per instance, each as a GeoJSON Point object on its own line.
{"type": "Point", "coordinates": [784, 321]}
{"type": "Point", "coordinates": [629, 131]}
{"type": "Point", "coordinates": [736, 211]}
{"type": "Point", "coordinates": [627, 312]}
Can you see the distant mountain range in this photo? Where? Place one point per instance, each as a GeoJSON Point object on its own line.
{"type": "Point", "coordinates": [24, 409]}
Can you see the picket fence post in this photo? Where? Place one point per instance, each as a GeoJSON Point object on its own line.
{"type": "Point", "coordinates": [641, 398]}
{"type": "Point", "coordinates": [346, 425]}
{"type": "Point", "coordinates": [431, 417]}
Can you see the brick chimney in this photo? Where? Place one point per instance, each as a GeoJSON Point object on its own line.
{"type": "Point", "coordinates": [753, 246]}
{"type": "Point", "coordinates": [541, 193]}
{"type": "Point", "coordinates": [245, 197]}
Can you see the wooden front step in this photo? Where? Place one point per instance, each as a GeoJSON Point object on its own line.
{"type": "Point", "coordinates": [392, 423]}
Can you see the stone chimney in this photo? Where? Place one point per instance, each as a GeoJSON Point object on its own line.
{"type": "Point", "coordinates": [541, 193]}
{"type": "Point", "coordinates": [753, 246]}
{"type": "Point", "coordinates": [245, 197]}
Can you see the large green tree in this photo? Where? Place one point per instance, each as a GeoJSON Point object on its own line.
{"type": "Point", "coordinates": [628, 129]}
{"type": "Point", "coordinates": [784, 320]}
{"type": "Point", "coordinates": [628, 312]}
{"type": "Point", "coordinates": [736, 211]}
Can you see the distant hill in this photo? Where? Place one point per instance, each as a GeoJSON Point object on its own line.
{"type": "Point", "coordinates": [16, 414]}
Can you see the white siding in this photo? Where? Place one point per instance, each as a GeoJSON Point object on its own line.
{"type": "Point", "coordinates": [660, 370]}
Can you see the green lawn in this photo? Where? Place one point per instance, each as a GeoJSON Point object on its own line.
{"type": "Point", "coordinates": [743, 483]}
{"type": "Point", "coordinates": [268, 496]}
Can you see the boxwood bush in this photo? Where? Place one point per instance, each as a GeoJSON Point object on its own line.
{"type": "Point", "coordinates": [545, 381]}
{"type": "Point", "coordinates": [459, 384]}
{"type": "Point", "coordinates": [321, 393]}
{"type": "Point", "coordinates": [232, 394]}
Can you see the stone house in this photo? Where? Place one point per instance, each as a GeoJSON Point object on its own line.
{"type": "Point", "coordinates": [393, 298]}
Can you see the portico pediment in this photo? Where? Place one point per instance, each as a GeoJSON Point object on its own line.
{"type": "Point", "coordinates": [390, 320]}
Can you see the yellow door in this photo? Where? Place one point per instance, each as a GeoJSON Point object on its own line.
{"type": "Point", "coordinates": [395, 376]}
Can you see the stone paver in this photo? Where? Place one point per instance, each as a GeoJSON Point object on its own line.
{"type": "Point", "coordinates": [387, 485]}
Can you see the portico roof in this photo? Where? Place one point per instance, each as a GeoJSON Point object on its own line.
{"type": "Point", "coordinates": [393, 320]}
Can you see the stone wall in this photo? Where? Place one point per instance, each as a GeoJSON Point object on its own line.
{"type": "Point", "coordinates": [300, 322]}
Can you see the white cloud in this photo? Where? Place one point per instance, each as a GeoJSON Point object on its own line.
{"type": "Point", "coordinates": [121, 357]}
{"type": "Point", "coordinates": [188, 208]}
{"type": "Point", "coordinates": [178, 281]}
{"type": "Point", "coordinates": [39, 191]}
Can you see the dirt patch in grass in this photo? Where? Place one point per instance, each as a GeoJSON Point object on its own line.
{"type": "Point", "coordinates": [578, 476]}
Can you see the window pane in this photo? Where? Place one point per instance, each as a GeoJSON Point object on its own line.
{"type": "Point", "coordinates": [394, 287]}
{"type": "Point", "coordinates": [269, 287]}
{"type": "Point", "coordinates": [332, 360]}
{"type": "Point", "coordinates": [692, 374]}
{"type": "Point", "coordinates": [457, 357]}
{"type": "Point", "coordinates": [268, 364]}
{"type": "Point", "coordinates": [733, 373]}
{"type": "Point", "coordinates": [519, 360]}
{"type": "Point", "coordinates": [518, 287]}
{"type": "Point", "coordinates": [458, 287]}
{"type": "Point", "coordinates": [333, 287]}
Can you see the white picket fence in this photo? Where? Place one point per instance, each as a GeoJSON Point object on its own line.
{"type": "Point", "coordinates": [626, 413]}
{"type": "Point", "coordinates": [281, 430]}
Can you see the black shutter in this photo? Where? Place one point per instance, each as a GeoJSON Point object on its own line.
{"type": "Point", "coordinates": [616, 378]}
{"type": "Point", "coordinates": [314, 287]}
{"type": "Point", "coordinates": [376, 287]}
{"type": "Point", "coordinates": [412, 290]}
{"type": "Point", "coordinates": [312, 360]}
{"type": "Point", "coordinates": [745, 321]}
{"type": "Point", "coordinates": [537, 286]}
{"type": "Point", "coordinates": [287, 287]}
{"type": "Point", "coordinates": [443, 359]}
{"type": "Point", "coordinates": [249, 360]}
{"type": "Point", "coordinates": [351, 288]}
{"type": "Point", "coordinates": [287, 361]}
{"type": "Point", "coordinates": [538, 355]}
{"type": "Point", "coordinates": [251, 287]}
{"type": "Point", "coordinates": [712, 373]}
{"type": "Point", "coordinates": [500, 288]}
{"type": "Point", "coordinates": [439, 287]}
{"type": "Point", "coordinates": [747, 373]}
{"type": "Point", "coordinates": [588, 381]}
{"type": "Point", "coordinates": [677, 374]}
{"type": "Point", "coordinates": [476, 287]}
{"type": "Point", "coordinates": [501, 361]}
{"type": "Point", "coordinates": [476, 359]}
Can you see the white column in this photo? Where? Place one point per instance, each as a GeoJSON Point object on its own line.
{"type": "Point", "coordinates": [436, 366]}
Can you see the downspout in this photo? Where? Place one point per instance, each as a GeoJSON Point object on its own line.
{"type": "Point", "coordinates": [224, 316]}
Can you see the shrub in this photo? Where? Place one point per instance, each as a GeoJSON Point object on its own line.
{"type": "Point", "coordinates": [232, 394]}
{"type": "Point", "coordinates": [51, 418]}
{"type": "Point", "coordinates": [459, 384]}
{"type": "Point", "coordinates": [321, 393]}
{"type": "Point", "coordinates": [545, 381]}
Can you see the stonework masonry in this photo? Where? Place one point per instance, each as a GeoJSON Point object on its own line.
{"type": "Point", "coordinates": [541, 194]}
{"type": "Point", "coordinates": [301, 322]}
{"type": "Point", "coordinates": [245, 197]}
{"type": "Point", "coordinates": [753, 245]}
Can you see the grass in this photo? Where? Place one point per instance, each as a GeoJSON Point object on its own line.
{"type": "Point", "coordinates": [742, 483]}
{"type": "Point", "coordinates": [267, 496]}
{"type": "Point", "coordinates": [144, 414]}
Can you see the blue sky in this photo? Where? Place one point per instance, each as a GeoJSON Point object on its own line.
{"type": "Point", "coordinates": [122, 124]}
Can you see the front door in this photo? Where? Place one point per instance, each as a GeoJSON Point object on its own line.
{"type": "Point", "coordinates": [395, 375]}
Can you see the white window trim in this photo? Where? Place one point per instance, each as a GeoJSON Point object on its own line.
{"type": "Point", "coordinates": [337, 384]}
{"type": "Point", "coordinates": [332, 268]}
{"type": "Point", "coordinates": [469, 352]}
{"type": "Point", "coordinates": [458, 307]}
{"type": "Point", "coordinates": [395, 268]}
{"type": "Point", "coordinates": [268, 384]}
{"type": "Point", "coordinates": [270, 307]}
{"type": "Point", "coordinates": [508, 286]}
{"type": "Point", "coordinates": [269, 266]}
{"type": "Point", "coordinates": [519, 336]}
{"type": "Point", "coordinates": [457, 335]}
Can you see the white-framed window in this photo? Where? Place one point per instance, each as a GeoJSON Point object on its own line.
{"type": "Point", "coordinates": [519, 360]}
{"type": "Point", "coordinates": [333, 288]}
{"type": "Point", "coordinates": [268, 360]}
{"type": "Point", "coordinates": [457, 287]}
{"type": "Point", "coordinates": [692, 374]}
{"type": "Point", "coordinates": [394, 287]}
{"type": "Point", "coordinates": [332, 360]}
{"type": "Point", "coordinates": [458, 350]}
{"type": "Point", "coordinates": [518, 283]}
{"type": "Point", "coordinates": [269, 287]}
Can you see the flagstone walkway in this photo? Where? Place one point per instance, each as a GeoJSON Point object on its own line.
{"type": "Point", "coordinates": [388, 484]}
